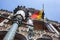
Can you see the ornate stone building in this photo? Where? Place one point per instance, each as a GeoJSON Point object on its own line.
{"type": "Point", "coordinates": [41, 32]}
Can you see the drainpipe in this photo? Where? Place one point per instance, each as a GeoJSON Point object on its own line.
{"type": "Point", "coordinates": [11, 33]}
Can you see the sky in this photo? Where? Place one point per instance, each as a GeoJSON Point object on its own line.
{"type": "Point", "coordinates": [51, 7]}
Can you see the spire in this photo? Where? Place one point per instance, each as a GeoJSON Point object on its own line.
{"type": "Point", "coordinates": [43, 7]}
{"type": "Point", "coordinates": [43, 11]}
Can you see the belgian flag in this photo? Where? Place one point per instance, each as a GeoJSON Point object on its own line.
{"type": "Point", "coordinates": [38, 15]}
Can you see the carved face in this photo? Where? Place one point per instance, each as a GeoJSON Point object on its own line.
{"type": "Point", "coordinates": [21, 12]}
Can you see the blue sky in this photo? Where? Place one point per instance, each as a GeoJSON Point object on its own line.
{"type": "Point", "coordinates": [51, 7]}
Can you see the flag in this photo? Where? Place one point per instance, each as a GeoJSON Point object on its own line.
{"type": "Point", "coordinates": [38, 15]}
